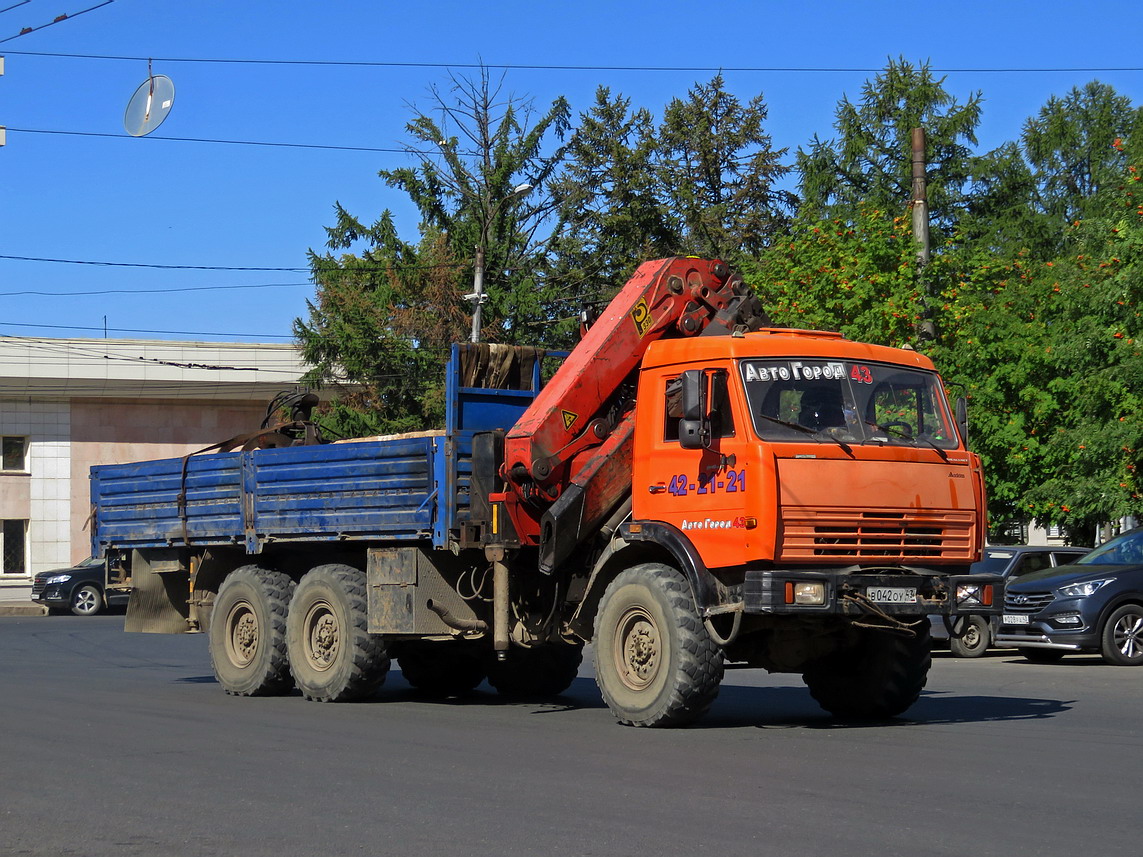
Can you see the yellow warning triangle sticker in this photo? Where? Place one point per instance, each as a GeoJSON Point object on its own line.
{"type": "Point", "coordinates": [569, 419]}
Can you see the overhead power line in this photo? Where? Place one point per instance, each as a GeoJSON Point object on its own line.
{"type": "Point", "coordinates": [554, 67]}
{"type": "Point", "coordinates": [59, 19]}
{"type": "Point", "coordinates": [157, 290]}
{"type": "Point", "coordinates": [141, 330]}
{"type": "Point", "coordinates": [148, 265]}
{"type": "Point", "coordinates": [396, 151]}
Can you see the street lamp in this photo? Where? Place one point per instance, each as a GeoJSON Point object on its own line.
{"type": "Point", "coordinates": [477, 296]}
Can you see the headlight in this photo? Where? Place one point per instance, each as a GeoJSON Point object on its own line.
{"type": "Point", "coordinates": [974, 595]}
{"type": "Point", "coordinates": [57, 578]}
{"type": "Point", "coordinates": [1083, 590]}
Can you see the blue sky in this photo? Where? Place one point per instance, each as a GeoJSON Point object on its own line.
{"type": "Point", "coordinates": [149, 201]}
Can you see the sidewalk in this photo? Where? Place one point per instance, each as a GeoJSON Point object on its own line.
{"type": "Point", "coordinates": [17, 601]}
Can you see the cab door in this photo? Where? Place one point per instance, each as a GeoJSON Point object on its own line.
{"type": "Point", "coordinates": [708, 493]}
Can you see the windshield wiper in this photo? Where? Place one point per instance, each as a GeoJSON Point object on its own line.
{"type": "Point", "coordinates": [910, 437]}
{"type": "Point", "coordinates": [812, 432]}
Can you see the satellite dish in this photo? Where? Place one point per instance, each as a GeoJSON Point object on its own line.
{"type": "Point", "coordinates": [149, 105]}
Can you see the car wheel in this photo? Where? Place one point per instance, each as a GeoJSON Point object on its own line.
{"type": "Point", "coordinates": [974, 639]}
{"type": "Point", "coordinates": [1042, 656]}
{"type": "Point", "coordinates": [87, 600]}
{"type": "Point", "coordinates": [1122, 640]}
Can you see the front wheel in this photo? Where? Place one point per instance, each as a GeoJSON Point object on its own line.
{"type": "Point", "coordinates": [333, 657]}
{"type": "Point", "coordinates": [87, 600]}
{"type": "Point", "coordinates": [1122, 640]}
{"type": "Point", "coordinates": [655, 663]}
{"type": "Point", "coordinates": [974, 640]}
{"type": "Point", "coordinates": [877, 677]}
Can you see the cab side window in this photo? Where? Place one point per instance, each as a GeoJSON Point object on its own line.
{"type": "Point", "coordinates": [718, 398]}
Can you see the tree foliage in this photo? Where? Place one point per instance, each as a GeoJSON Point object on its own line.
{"type": "Point", "coordinates": [869, 164]}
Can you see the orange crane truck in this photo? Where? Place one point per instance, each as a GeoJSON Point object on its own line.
{"type": "Point", "coordinates": [692, 486]}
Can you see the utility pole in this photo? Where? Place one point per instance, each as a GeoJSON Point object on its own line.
{"type": "Point", "coordinates": [477, 296]}
{"type": "Point", "coordinates": [920, 206]}
{"type": "Point", "coordinates": [3, 131]}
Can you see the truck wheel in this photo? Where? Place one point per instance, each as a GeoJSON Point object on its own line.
{"type": "Point", "coordinates": [537, 673]}
{"type": "Point", "coordinates": [248, 636]}
{"type": "Point", "coordinates": [443, 668]}
{"type": "Point", "coordinates": [1122, 640]}
{"type": "Point", "coordinates": [332, 655]}
{"type": "Point", "coordinates": [877, 678]}
{"type": "Point", "coordinates": [87, 600]}
{"type": "Point", "coordinates": [1042, 656]}
{"type": "Point", "coordinates": [655, 663]}
{"type": "Point", "coordinates": [975, 639]}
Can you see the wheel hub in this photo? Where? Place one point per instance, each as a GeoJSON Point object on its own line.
{"type": "Point", "coordinates": [1129, 635]}
{"type": "Point", "coordinates": [242, 641]}
{"type": "Point", "coordinates": [639, 654]}
{"type": "Point", "coordinates": [324, 636]}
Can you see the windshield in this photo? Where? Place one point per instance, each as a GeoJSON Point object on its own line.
{"type": "Point", "coordinates": [1126, 549]}
{"type": "Point", "coordinates": [806, 399]}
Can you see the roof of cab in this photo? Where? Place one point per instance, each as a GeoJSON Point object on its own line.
{"type": "Point", "coordinates": [778, 342]}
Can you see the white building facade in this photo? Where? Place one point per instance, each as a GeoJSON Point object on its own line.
{"type": "Point", "coordinates": [67, 404]}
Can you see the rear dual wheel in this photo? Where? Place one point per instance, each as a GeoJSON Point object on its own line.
{"type": "Point", "coordinates": [248, 632]}
{"type": "Point", "coordinates": [333, 657]}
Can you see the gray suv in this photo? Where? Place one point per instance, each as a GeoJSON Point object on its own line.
{"type": "Point", "coordinates": [972, 635]}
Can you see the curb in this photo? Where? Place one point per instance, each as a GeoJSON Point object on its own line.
{"type": "Point", "coordinates": [17, 608]}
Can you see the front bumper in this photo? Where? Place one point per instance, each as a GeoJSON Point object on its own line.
{"type": "Point", "coordinates": [1039, 636]}
{"type": "Point", "coordinates": [56, 595]}
{"type": "Point", "coordinates": [889, 591]}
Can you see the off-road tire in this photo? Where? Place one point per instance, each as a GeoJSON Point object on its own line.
{"type": "Point", "coordinates": [537, 673]}
{"type": "Point", "coordinates": [655, 663]}
{"type": "Point", "coordinates": [248, 636]}
{"type": "Point", "coordinates": [87, 600]}
{"type": "Point", "coordinates": [1042, 656]}
{"type": "Point", "coordinates": [974, 640]}
{"type": "Point", "coordinates": [441, 668]}
{"type": "Point", "coordinates": [878, 677]}
{"type": "Point", "coordinates": [333, 657]}
{"type": "Point", "coordinates": [1121, 642]}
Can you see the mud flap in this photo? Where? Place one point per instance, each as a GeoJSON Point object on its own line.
{"type": "Point", "coordinates": [160, 594]}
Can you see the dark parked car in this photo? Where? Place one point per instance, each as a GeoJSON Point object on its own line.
{"type": "Point", "coordinates": [81, 589]}
{"type": "Point", "coordinates": [1093, 605]}
{"type": "Point", "coordinates": [974, 634]}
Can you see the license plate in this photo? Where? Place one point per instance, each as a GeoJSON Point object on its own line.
{"type": "Point", "coordinates": [1015, 619]}
{"type": "Point", "coordinates": [892, 594]}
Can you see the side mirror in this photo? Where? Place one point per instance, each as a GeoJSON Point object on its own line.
{"type": "Point", "coordinates": [694, 427]}
{"type": "Point", "coordinates": [962, 417]}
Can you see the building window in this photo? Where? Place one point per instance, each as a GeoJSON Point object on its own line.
{"type": "Point", "coordinates": [15, 453]}
{"type": "Point", "coordinates": [13, 546]}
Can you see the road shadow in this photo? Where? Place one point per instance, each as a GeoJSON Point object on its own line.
{"type": "Point", "coordinates": [737, 706]}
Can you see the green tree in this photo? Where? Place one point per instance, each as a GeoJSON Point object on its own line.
{"type": "Point", "coordinates": [869, 164]}
{"type": "Point", "coordinates": [386, 309]}
{"type": "Point", "coordinates": [611, 213]}
{"type": "Point", "coordinates": [1071, 146]}
{"type": "Point", "coordinates": [718, 173]}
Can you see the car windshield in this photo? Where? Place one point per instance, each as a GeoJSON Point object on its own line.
{"type": "Point", "coordinates": [852, 402]}
{"type": "Point", "coordinates": [1126, 549]}
{"type": "Point", "coordinates": [994, 562]}
{"type": "Point", "coordinates": [89, 562]}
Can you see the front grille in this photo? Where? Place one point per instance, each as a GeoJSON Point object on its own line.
{"type": "Point", "coordinates": [38, 586]}
{"type": "Point", "coordinates": [1027, 602]}
{"type": "Point", "coordinates": [903, 535]}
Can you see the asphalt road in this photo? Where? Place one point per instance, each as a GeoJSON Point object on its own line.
{"type": "Point", "coordinates": [123, 744]}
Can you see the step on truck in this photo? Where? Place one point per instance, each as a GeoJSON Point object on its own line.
{"type": "Point", "coordinates": [692, 486]}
